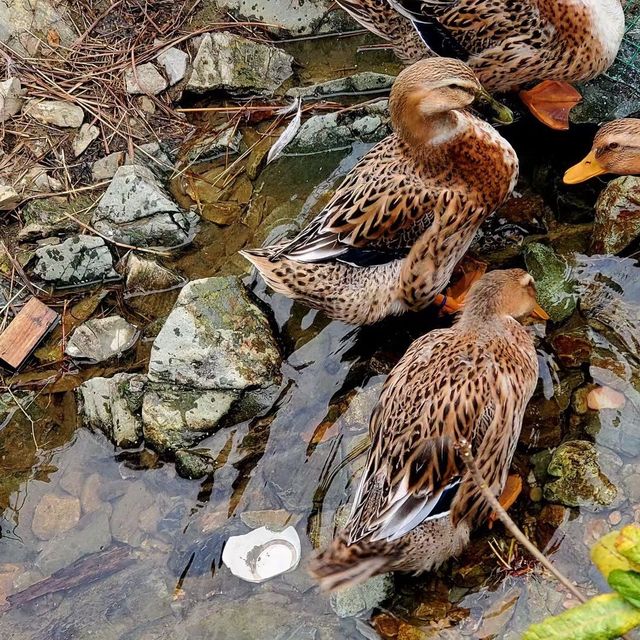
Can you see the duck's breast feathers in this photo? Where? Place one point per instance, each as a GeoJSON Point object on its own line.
{"type": "Point", "coordinates": [442, 390]}
{"type": "Point", "coordinates": [382, 196]}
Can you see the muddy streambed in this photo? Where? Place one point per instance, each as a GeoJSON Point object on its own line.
{"type": "Point", "coordinates": [134, 550]}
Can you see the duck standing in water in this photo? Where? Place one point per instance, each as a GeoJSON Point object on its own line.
{"type": "Point", "coordinates": [508, 44]}
{"type": "Point", "coordinates": [616, 149]}
{"type": "Point", "coordinates": [389, 239]}
{"type": "Point", "coordinates": [416, 503]}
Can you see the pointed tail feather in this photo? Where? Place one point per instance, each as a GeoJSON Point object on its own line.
{"type": "Point", "coordinates": [340, 566]}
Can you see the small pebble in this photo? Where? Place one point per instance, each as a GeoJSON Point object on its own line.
{"type": "Point", "coordinates": [615, 517]}
{"type": "Point", "coordinates": [535, 494]}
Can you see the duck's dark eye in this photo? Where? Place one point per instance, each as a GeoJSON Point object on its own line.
{"type": "Point", "coordinates": [612, 146]}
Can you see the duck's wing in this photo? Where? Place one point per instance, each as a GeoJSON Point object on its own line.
{"type": "Point", "coordinates": [440, 391]}
{"type": "Point", "coordinates": [464, 28]}
{"type": "Point", "coordinates": [381, 197]}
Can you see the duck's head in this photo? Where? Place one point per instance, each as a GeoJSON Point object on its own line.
{"type": "Point", "coordinates": [616, 149]}
{"type": "Point", "coordinates": [433, 87]}
{"type": "Point", "coordinates": [508, 292]}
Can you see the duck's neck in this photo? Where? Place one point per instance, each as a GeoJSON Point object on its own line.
{"type": "Point", "coordinates": [426, 133]}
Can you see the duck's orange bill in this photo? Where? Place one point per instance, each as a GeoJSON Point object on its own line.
{"type": "Point", "coordinates": [585, 169]}
{"type": "Point", "coordinates": [550, 102]}
{"type": "Point", "coordinates": [539, 312]}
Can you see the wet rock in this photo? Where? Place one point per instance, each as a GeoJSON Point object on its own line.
{"type": "Point", "coordinates": [55, 514]}
{"type": "Point", "coordinates": [573, 346]}
{"type": "Point", "coordinates": [11, 99]}
{"type": "Point", "coordinates": [136, 210]}
{"type": "Point", "coordinates": [303, 18]}
{"type": "Point", "coordinates": [101, 339]}
{"type": "Point", "coordinates": [352, 601]}
{"type": "Point", "coordinates": [556, 289]}
{"type": "Point", "coordinates": [87, 134]}
{"type": "Point", "coordinates": [193, 466]}
{"type": "Point", "coordinates": [616, 93]}
{"type": "Point", "coordinates": [273, 519]}
{"type": "Point", "coordinates": [366, 82]}
{"type": "Point", "coordinates": [105, 168]}
{"type": "Point", "coordinates": [9, 198]}
{"type": "Point", "coordinates": [113, 406]}
{"type": "Point", "coordinates": [580, 481]}
{"type": "Point", "coordinates": [144, 275]}
{"type": "Point", "coordinates": [126, 514]}
{"type": "Point", "coordinates": [80, 260]}
{"type": "Point", "coordinates": [179, 419]}
{"type": "Point", "coordinates": [174, 63]}
{"type": "Point", "coordinates": [338, 131]}
{"type": "Point", "coordinates": [145, 79]}
{"type": "Point", "coordinates": [228, 62]}
{"type": "Point", "coordinates": [617, 219]}
{"type": "Point", "coordinates": [56, 112]}
{"type": "Point", "coordinates": [212, 145]}
{"type": "Point", "coordinates": [215, 338]}
{"type": "Point", "coordinates": [92, 534]}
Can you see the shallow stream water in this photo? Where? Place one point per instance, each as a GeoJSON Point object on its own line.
{"type": "Point", "coordinates": [160, 575]}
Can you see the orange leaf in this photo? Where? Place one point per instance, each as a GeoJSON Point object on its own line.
{"type": "Point", "coordinates": [53, 38]}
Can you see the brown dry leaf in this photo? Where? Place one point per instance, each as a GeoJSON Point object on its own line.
{"type": "Point", "coordinates": [53, 38]}
{"type": "Point", "coordinates": [605, 398]}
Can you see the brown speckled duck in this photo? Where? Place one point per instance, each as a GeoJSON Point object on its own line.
{"type": "Point", "coordinates": [416, 503]}
{"type": "Point", "coordinates": [508, 43]}
{"type": "Point", "coordinates": [389, 239]}
{"type": "Point", "coordinates": [616, 149]}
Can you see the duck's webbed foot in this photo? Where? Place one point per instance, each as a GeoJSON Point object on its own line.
{"type": "Point", "coordinates": [453, 299]}
{"type": "Point", "coordinates": [509, 495]}
{"type": "Point", "coordinates": [550, 102]}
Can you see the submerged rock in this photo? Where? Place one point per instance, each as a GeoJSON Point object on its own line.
{"type": "Point", "coordinates": [80, 260]}
{"type": "Point", "coordinates": [556, 289]}
{"type": "Point", "coordinates": [580, 481]}
{"type": "Point", "coordinates": [617, 219]}
{"type": "Point", "coordinates": [365, 82]}
{"type": "Point", "coordinates": [215, 338]}
{"type": "Point", "coordinates": [136, 210]}
{"type": "Point", "coordinates": [101, 339]}
{"type": "Point", "coordinates": [232, 63]}
{"type": "Point", "coordinates": [339, 130]}
{"type": "Point", "coordinates": [55, 514]}
{"type": "Point", "coordinates": [56, 112]}
{"type": "Point", "coordinates": [175, 419]}
{"type": "Point", "coordinates": [352, 601]}
{"type": "Point", "coordinates": [113, 406]}
{"type": "Point", "coordinates": [144, 275]}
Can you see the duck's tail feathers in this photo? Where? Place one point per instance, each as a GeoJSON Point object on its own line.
{"type": "Point", "coordinates": [269, 269]}
{"type": "Point", "coordinates": [340, 566]}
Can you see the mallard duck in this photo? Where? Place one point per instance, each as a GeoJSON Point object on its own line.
{"type": "Point", "coordinates": [416, 504]}
{"type": "Point", "coordinates": [390, 237]}
{"type": "Point", "coordinates": [508, 44]}
{"type": "Point", "coordinates": [616, 149]}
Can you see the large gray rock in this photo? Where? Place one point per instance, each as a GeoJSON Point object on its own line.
{"type": "Point", "coordinates": [80, 260]}
{"type": "Point", "coordinates": [113, 405]}
{"type": "Point", "coordinates": [617, 219]}
{"type": "Point", "coordinates": [615, 93]}
{"type": "Point", "coordinates": [136, 210]}
{"type": "Point", "coordinates": [338, 131]}
{"type": "Point", "coordinates": [297, 16]}
{"type": "Point", "coordinates": [232, 63]}
{"type": "Point", "coordinates": [175, 419]}
{"type": "Point", "coordinates": [23, 21]}
{"type": "Point", "coordinates": [215, 338]}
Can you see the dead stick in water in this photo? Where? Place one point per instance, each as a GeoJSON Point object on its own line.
{"type": "Point", "coordinates": [465, 449]}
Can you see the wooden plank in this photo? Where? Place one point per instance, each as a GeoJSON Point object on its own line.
{"type": "Point", "coordinates": [25, 331]}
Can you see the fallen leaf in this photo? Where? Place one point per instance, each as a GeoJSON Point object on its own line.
{"type": "Point", "coordinates": [627, 584]}
{"type": "Point", "coordinates": [628, 544]}
{"type": "Point", "coordinates": [602, 618]}
{"type": "Point", "coordinates": [287, 135]}
{"type": "Point", "coordinates": [53, 38]}
{"type": "Point", "coordinates": [606, 556]}
{"type": "Point", "coordinates": [605, 398]}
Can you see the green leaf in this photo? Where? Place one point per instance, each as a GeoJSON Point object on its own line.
{"type": "Point", "coordinates": [601, 618]}
{"type": "Point", "coordinates": [627, 584]}
{"type": "Point", "coordinates": [628, 543]}
{"type": "Point", "coordinates": [606, 556]}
